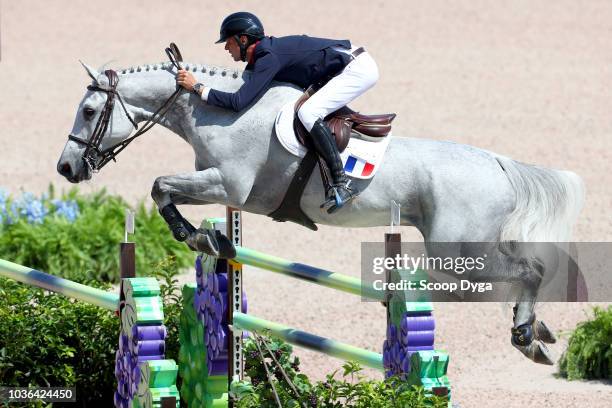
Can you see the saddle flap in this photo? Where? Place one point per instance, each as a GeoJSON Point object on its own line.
{"type": "Point", "coordinates": [341, 129]}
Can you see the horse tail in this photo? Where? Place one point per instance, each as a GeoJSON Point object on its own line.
{"type": "Point", "coordinates": [548, 203]}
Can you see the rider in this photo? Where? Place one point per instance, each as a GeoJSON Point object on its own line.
{"type": "Point", "coordinates": [301, 60]}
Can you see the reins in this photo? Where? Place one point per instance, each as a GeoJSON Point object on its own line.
{"type": "Point", "coordinates": [96, 158]}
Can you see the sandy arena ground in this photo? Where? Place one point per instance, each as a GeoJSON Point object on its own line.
{"type": "Point", "coordinates": [526, 79]}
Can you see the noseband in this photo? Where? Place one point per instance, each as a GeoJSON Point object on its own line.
{"type": "Point", "coordinates": [95, 158]}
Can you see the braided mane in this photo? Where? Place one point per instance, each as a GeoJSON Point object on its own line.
{"type": "Point", "coordinates": [167, 65]}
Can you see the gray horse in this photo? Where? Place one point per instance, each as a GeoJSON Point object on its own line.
{"type": "Point", "coordinates": [448, 191]}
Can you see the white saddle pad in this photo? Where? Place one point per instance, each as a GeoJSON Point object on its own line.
{"type": "Point", "coordinates": [361, 158]}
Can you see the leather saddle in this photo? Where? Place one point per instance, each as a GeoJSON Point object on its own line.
{"type": "Point", "coordinates": [342, 123]}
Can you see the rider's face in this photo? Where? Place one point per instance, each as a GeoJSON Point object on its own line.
{"type": "Point", "coordinates": [233, 48]}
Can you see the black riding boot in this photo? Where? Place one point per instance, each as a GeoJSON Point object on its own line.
{"type": "Point", "coordinates": [340, 193]}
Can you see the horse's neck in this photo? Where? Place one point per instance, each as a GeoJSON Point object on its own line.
{"type": "Point", "coordinates": [146, 88]}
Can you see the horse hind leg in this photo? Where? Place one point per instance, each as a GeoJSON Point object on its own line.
{"type": "Point", "coordinates": [529, 335]}
{"type": "Point", "coordinates": [527, 263]}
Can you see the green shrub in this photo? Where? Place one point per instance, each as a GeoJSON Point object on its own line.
{"type": "Point", "coordinates": [589, 352]}
{"type": "Point", "coordinates": [352, 390]}
{"type": "Point", "coordinates": [82, 243]}
{"type": "Point", "coordinates": [49, 340]}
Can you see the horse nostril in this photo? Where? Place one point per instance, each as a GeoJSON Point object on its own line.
{"type": "Point", "coordinates": [64, 169]}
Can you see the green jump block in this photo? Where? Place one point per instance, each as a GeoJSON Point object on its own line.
{"type": "Point", "coordinates": [158, 373]}
{"type": "Point", "coordinates": [144, 286]}
{"type": "Point", "coordinates": [428, 369]}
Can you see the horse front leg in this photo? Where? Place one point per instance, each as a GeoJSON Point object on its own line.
{"type": "Point", "coordinates": [192, 188]}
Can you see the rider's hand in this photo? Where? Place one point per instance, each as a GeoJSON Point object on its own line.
{"type": "Point", "coordinates": [185, 79]}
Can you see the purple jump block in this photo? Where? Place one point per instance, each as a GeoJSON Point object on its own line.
{"type": "Point", "coordinates": [148, 358]}
{"type": "Point", "coordinates": [418, 338]}
{"type": "Point", "coordinates": [157, 332]}
{"type": "Point", "coordinates": [418, 323]}
{"type": "Point", "coordinates": [150, 348]}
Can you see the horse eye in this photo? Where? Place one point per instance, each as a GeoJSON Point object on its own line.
{"type": "Point", "coordinates": [88, 113]}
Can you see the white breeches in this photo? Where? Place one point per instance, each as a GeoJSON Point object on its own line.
{"type": "Point", "coordinates": [357, 77]}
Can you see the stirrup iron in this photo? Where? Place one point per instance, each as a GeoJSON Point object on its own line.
{"type": "Point", "coordinates": [335, 201]}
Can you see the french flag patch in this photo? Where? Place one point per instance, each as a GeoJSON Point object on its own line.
{"type": "Point", "coordinates": [355, 166]}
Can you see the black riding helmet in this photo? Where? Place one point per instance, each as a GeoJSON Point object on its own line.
{"type": "Point", "coordinates": [241, 23]}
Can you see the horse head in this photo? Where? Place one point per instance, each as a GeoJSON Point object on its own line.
{"type": "Point", "coordinates": [99, 130]}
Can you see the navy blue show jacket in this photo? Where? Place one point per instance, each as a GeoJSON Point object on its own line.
{"type": "Point", "coordinates": [297, 59]}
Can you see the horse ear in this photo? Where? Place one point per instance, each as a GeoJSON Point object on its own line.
{"type": "Point", "coordinates": [93, 74]}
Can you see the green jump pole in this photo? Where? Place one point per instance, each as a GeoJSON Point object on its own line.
{"type": "Point", "coordinates": [310, 341]}
{"type": "Point", "coordinates": [65, 287]}
{"type": "Point", "coordinates": [308, 273]}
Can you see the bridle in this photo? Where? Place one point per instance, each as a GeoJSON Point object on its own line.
{"type": "Point", "coordinates": [95, 158]}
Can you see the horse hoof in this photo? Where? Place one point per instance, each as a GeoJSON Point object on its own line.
{"type": "Point", "coordinates": [536, 352]}
{"type": "Point", "coordinates": [543, 333]}
{"type": "Point", "coordinates": [203, 241]}
{"type": "Point", "coordinates": [213, 243]}
{"type": "Point", "coordinates": [225, 246]}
